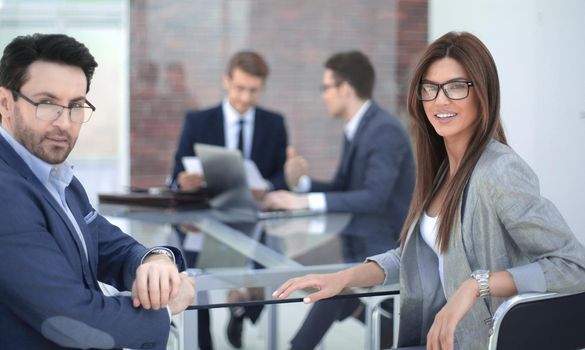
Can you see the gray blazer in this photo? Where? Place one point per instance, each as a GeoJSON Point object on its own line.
{"type": "Point", "coordinates": [506, 225]}
{"type": "Point", "coordinates": [374, 179]}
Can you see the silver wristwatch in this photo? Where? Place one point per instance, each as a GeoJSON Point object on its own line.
{"type": "Point", "coordinates": [482, 277]}
{"type": "Point", "coordinates": [163, 251]}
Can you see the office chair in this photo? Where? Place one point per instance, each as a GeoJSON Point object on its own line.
{"type": "Point", "coordinates": [373, 317]}
{"type": "Point", "coordinates": [540, 321]}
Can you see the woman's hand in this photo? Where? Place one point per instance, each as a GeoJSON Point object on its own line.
{"type": "Point", "coordinates": [327, 285]}
{"type": "Point", "coordinates": [442, 333]}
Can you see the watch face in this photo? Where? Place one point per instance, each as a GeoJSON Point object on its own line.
{"type": "Point", "coordinates": [480, 273]}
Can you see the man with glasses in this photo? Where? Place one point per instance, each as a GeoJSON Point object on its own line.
{"type": "Point", "coordinates": [374, 181]}
{"type": "Point", "coordinates": [55, 246]}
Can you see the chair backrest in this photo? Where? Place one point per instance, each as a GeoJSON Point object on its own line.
{"type": "Point", "coordinates": [540, 321]}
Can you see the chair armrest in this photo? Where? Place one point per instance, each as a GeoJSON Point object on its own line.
{"type": "Point", "coordinates": [530, 304]}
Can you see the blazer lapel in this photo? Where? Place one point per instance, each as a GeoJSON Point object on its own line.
{"type": "Point", "coordinates": [347, 159]}
{"type": "Point", "coordinates": [217, 130]}
{"type": "Point", "coordinates": [12, 158]}
{"type": "Point", "coordinates": [410, 291]}
{"type": "Point", "coordinates": [456, 265]}
{"type": "Point", "coordinates": [75, 206]}
{"type": "Point", "coordinates": [258, 136]}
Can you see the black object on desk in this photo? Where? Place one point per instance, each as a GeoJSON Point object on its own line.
{"type": "Point", "coordinates": [290, 300]}
{"type": "Point", "coordinates": [159, 199]}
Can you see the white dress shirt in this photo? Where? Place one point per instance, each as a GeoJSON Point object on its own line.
{"type": "Point", "coordinates": [231, 127]}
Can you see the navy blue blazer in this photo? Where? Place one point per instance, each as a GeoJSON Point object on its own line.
{"type": "Point", "coordinates": [49, 294]}
{"type": "Point", "coordinates": [374, 179]}
{"type": "Point", "coordinates": [268, 146]}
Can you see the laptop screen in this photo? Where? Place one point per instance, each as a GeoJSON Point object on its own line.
{"type": "Point", "coordinates": [225, 177]}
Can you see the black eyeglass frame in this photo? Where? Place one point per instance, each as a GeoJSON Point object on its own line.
{"type": "Point", "coordinates": [442, 87]}
{"type": "Point", "coordinates": [36, 104]}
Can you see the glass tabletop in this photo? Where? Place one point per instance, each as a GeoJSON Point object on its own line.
{"type": "Point", "coordinates": [226, 250]}
{"type": "Point", "coordinates": [230, 250]}
{"type": "Point", "coordinates": [311, 240]}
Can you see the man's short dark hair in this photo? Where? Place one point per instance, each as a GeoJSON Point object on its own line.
{"type": "Point", "coordinates": [250, 62]}
{"type": "Point", "coordinates": [56, 48]}
{"type": "Point", "coordinates": [355, 68]}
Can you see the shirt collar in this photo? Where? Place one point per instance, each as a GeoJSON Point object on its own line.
{"type": "Point", "coordinates": [352, 125]}
{"type": "Point", "coordinates": [41, 169]}
{"type": "Point", "coordinates": [231, 116]}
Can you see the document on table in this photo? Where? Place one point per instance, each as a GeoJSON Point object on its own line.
{"type": "Point", "coordinates": [255, 179]}
{"type": "Point", "coordinates": [192, 165]}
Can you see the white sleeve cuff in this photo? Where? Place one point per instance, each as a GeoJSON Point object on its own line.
{"type": "Point", "coordinates": [304, 185]}
{"type": "Point", "coordinates": [317, 201]}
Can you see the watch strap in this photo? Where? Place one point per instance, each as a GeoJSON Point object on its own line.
{"type": "Point", "coordinates": [482, 277]}
{"type": "Point", "coordinates": [161, 251]}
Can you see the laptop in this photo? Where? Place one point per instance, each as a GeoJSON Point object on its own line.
{"type": "Point", "coordinates": [227, 183]}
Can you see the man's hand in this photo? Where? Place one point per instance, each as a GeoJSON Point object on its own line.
{"type": "Point", "coordinates": [157, 282]}
{"type": "Point", "coordinates": [295, 167]}
{"type": "Point", "coordinates": [258, 193]}
{"type": "Point", "coordinates": [189, 181]}
{"type": "Point", "coordinates": [285, 200]}
{"type": "Point", "coordinates": [186, 294]}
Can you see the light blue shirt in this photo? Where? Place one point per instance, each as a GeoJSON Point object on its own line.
{"type": "Point", "coordinates": [55, 178]}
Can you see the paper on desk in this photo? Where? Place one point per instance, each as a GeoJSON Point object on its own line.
{"type": "Point", "coordinates": [192, 165]}
{"type": "Point", "coordinates": [255, 179]}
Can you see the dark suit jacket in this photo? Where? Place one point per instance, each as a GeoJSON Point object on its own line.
{"type": "Point", "coordinates": [268, 146]}
{"type": "Point", "coordinates": [49, 294]}
{"type": "Point", "coordinates": [374, 180]}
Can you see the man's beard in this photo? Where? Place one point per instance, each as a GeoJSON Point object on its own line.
{"type": "Point", "coordinates": [34, 143]}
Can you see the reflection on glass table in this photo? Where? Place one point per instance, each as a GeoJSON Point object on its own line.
{"type": "Point", "coordinates": [231, 248]}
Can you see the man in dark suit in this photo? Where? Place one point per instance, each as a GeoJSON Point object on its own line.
{"type": "Point", "coordinates": [374, 179]}
{"type": "Point", "coordinates": [237, 123]}
{"type": "Point", "coordinates": [55, 246]}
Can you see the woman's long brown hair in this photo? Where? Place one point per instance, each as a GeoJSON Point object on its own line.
{"type": "Point", "coordinates": [430, 150]}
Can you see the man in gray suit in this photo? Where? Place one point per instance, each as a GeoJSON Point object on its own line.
{"type": "Point", "coordinates": [374, 180]}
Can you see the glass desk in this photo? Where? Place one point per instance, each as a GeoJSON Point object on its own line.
{"type": "Point", "coordinates": [235, 250]}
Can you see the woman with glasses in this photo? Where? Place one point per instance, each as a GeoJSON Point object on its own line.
{"type": "Point", "coordinates": [478, 230]}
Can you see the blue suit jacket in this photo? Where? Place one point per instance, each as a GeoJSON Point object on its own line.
{"type": "Point", "coordinates": [268, 146]}
{"type": "Point", "coordinates": [374, 180]}
{"type": "Point", "coordinates": [49, 295]}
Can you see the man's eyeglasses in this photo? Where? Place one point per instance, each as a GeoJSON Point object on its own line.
{"type": "Point", "coordinates": [78, 112]}
{"type": "Point", "coordinates": [326, 87]}
{"type": "Point", "coordinates": [454, 90]}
